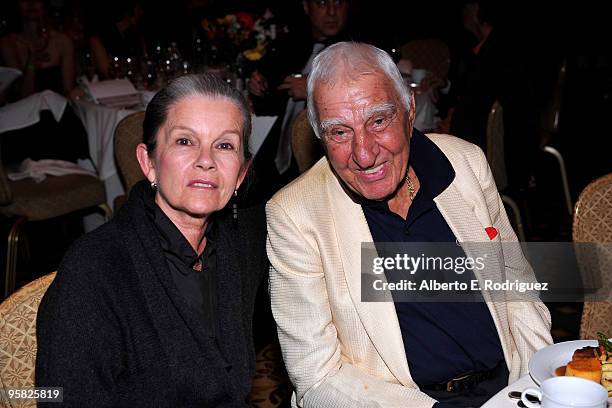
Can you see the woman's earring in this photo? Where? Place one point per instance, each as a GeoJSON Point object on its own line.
{"type": "Point", "coordinates": [235, 206]}
{"type": "Point", "coordinates": [154, 185]}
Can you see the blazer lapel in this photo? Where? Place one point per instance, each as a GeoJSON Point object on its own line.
{"type": "Point", "coordinates": [468, 224]}
{"type": "Point", "coordinates": [379, 318]}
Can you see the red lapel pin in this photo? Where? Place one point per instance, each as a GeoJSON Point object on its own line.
{"type": "Point", "coordinates": [491, 232]}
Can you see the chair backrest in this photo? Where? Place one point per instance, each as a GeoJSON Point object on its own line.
{"type": "Point", "coordinates": [127, 136]}
{"type": "Point", "coordinates": [428, 53]}
{"type": "Point", "coordinates": [495, 145]}
{"type": "Point", "coordinates": [18, 337]}
{"type": "Point", "coordinates": [304, 144]}
{"type": "Point", "coordinates": [549, 118]}
{"type": "Point", "coordinates": [5, 191]}
{"type": "Point", "coordinates": [593, 224]}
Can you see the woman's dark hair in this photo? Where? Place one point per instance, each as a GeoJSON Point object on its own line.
{"type": "Point", "coordinates": [207, 85]}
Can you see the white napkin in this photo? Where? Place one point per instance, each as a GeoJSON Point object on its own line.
{"type": "Point", "coordinates": [26, 112]}
{"type": "Point", "coordinates": [38, 170]}
{"type": "Point", "coordinates": [116, 93]}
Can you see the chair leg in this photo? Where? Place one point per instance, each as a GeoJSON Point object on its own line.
{"type": "Point", "coordinates": [566, 191]}
{"type": "Point", "coordinates": [11, 257]}
{"type": "Point", "coordinates": [517, 217]}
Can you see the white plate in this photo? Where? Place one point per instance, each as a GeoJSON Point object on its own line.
{"type": "Point", "coordinates": [543, 363]}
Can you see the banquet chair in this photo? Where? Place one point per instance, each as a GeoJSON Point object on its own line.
{"type": "Point", "coordinates": [271, 387]}
{"type": "Point", "coordinates": [306, 147]}
{"type": "Point", "coordinates": [593, 224]}
{"type": "Point", "coordinates": [497, 163]}
{"type": "Point", "coordinates": [18, 338]}
{"type": "Point", "coordinates": [428, 53]}
{"type": "Point", "coordinates": [26, 200]}
{"type": "Point", "coordinates": [127, 136]}
{"type": "Point", "coordinates": [549, 129]}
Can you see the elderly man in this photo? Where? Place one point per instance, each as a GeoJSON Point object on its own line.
{"type": "Point", "coordinates": [381, 181]}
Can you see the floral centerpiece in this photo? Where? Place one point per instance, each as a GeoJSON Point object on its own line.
{"type": "Point", "coordinates": [239, 38]}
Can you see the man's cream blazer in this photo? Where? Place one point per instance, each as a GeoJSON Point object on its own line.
{"type": "Point", "coordinates": [341, 352]}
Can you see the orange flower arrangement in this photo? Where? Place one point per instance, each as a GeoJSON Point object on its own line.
{"type": "Point", "coordinates": [241, 36]}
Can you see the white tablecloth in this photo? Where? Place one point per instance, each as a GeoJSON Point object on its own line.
{"type": "Point", "coordinates": [100, 123]}
{"type": "Point", "coordinates": [26, 112]}
{"type": "Point", "coordinates": [7, 76]}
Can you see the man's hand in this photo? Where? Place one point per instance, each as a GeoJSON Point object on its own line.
{"type": "Point", "coordinates": [295, 86]}
{"type": "Point", "coordinates": [258, 85]}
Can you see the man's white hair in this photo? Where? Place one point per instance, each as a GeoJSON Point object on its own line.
{"type": "Point", "coordinates": [351, 59]}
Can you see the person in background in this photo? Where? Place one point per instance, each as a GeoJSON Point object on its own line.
{"type": "Point", "coordinates": [46, 59]}
{"type": "Point", "coordinates": [155, 307]}
{"type": "Point", "coordinates": [122, 38]}
{"type": "Point", "coordinates": [384, 181]}
{"type": "Point", "coordinates": [494, 69]}
{"type": "Point", "coordinates": [43, 55]}
{"type": "Point", "coordinates": [278, 87]}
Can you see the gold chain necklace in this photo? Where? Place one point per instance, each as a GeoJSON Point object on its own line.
{"type": "Point", "coordinates": [410, 185]}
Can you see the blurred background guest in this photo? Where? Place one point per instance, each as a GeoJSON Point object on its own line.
{"type": "Point", "coordinates": [157, 305]}
{"type": "Point", "coordinates": [44, 55]}
{"type": "Point", "coordinates": [46, 59]}
{"type": "Point", "coordinates": [120, 37]}
{"type": "Point", "coordinates": [278, 86]}
{"type": "Point", "coordinates": [493, 69]}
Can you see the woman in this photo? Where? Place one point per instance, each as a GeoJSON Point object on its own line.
{"type": "Point", "coordinates": [43, 55]}
{"type": "Point", "coordinates": [155, 307]}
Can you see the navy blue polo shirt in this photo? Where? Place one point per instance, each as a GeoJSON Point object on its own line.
{"type": "Point", "coordinates": [441, 340]}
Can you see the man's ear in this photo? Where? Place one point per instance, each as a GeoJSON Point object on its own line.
{"type": "Point", "coordinates": [146, 163]}
{"type": "Point", "coordinates": [306, 7]}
